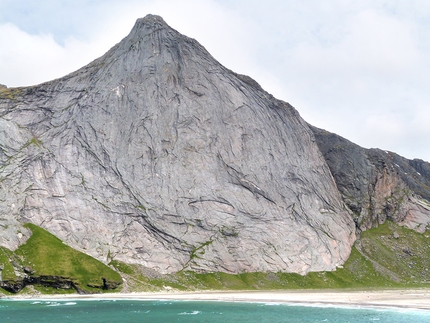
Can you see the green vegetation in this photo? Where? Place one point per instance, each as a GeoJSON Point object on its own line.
{"type": "Point", "coordinates": [198, 252]}
{"type": "Point", "coordinates": [48, 255]}
{"type": "Point", "coordinates": [402, 255]}
{"type": "Point", "coordinates": [140, 279]}
{"type": "Point", "coordinates": [33, 141]}
{"type": "Point", "coordinates": [389, 256]}
{"type": "Point", "coordinates": [45, 255]}
{"type": "Point", "coordinates": [10, 93]}
{"type": "Point", "coordinates": [386, 257]}
{"type": "Point", "coordinates": [6, 258]}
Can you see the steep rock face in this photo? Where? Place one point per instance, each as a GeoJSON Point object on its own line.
{"type": "Point", "coordinates": [378, 185]}
{"type": "Point", "coordinates": [156, 154]}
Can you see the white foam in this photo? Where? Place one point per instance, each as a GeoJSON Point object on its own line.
{"type": "Point", "coordinates": [60, 304]}
{"type": "Point", "coordinates": [70, 303]}
{"type": "Point", "coordinates": [192, 313]}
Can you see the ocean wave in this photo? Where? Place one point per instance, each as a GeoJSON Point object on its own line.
{"type": "Point", "coordinates": [273, 304]}
{"type": "Point", "coordinates": [191, 313]}
{"type": "Point", "coordinates": [60, 304]}
{"type": "Point", "coordinates": [142, 312]}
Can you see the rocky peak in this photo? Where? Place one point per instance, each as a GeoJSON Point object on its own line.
{"type": "Point", "coordinates": [147, 25]}
{"type": "Point", "coordinates": [157, 154]}
{"type": "Point", "coordinates": [151, 28]}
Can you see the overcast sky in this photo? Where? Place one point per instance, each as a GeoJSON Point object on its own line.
{"type": "Point", "coordinates": [360, 69]}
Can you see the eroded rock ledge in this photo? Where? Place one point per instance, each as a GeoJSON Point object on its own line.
{"type": "Point", "coordinates": [56, 282]}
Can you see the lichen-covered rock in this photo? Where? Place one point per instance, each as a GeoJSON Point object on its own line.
{"type": "Point", "coordinates": [378, 185]}
{"type": "Point", "coordinates": [156, 154]}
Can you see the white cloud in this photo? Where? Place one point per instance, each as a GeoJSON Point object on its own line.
{"type": "Point", "coordinates": [357, 68]}
{"type": "Point", "coordinates": [364, 83]}
{"type": "Point", "coordinates": [371, 43]}
{"type": "Point", "coordinates": [40, 57]}
{"type": "Point", "coordinates": [30, 59]}
{"type": "Point", "coordinates": [15, 54]}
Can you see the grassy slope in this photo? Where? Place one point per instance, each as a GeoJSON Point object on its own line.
{"type": "Point", "coordinates": [386, 257]}
{"type": "Point", "coordinates": [8, 271]}
{"type": "Point", "coordinates": [404, 256]}
{"type": "Point", "coordinates": [379, 260]}
{"type": "Point", "coordinates": [48, 255]}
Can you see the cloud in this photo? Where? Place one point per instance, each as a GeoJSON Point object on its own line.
{"type": "Point", "coordinates": [357, 68]}
{"type": "Point", "coordinates": [31, 59]}
{"type": "Point", "coordinates": [25, 56]}
{"type": "Point", "coordinates": [363, 79]}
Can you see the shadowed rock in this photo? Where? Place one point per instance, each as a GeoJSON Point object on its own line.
{"type": "Point", "coordinates": [378, 185]}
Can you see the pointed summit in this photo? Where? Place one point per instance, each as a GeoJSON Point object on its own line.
{"type": "Point", "coordinates": [147, 25]}
{"type": "Point", "coordinates": [150, 20]}
{"type": "Point", "coordinates": [151, 44]}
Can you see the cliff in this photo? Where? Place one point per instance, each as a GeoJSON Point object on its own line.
{"type": "Point", "coordinates": [155, 154]}
{"type": "Point", "coordinates": [378, 185]}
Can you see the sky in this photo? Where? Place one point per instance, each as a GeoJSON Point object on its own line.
{"type": "Point", "coordinates": [360, 69]}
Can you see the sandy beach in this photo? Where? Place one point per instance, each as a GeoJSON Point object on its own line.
{"type": "Point", "coordinates": [418, 299]}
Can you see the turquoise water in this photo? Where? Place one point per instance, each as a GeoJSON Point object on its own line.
{"type": "Point", "coordinates": [124, 311]}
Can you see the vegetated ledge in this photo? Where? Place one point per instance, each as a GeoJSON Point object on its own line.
{"type": "Point", "coordinates": [44, 260]}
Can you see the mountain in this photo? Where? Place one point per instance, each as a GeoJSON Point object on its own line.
{"type": "Point", "coordinates": [378, 185]}
{"type": "Point", "coordinates": [155, 154]}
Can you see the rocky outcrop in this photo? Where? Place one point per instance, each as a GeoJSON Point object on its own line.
{"type": "Point", "coordinates": [156, 154]}
{"type": "Point", "coordinates": [105, 285]}
{"type": "Point", "coordinates": [378, 185]}
{"type": "Point", "coordinates": [56, 282]}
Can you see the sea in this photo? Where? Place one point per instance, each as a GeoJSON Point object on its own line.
{"type": "Point", "coordinates": [124, 311]}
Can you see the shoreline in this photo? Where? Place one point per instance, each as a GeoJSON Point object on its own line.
{"type": "Point", "coordinates": [397, 298]}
